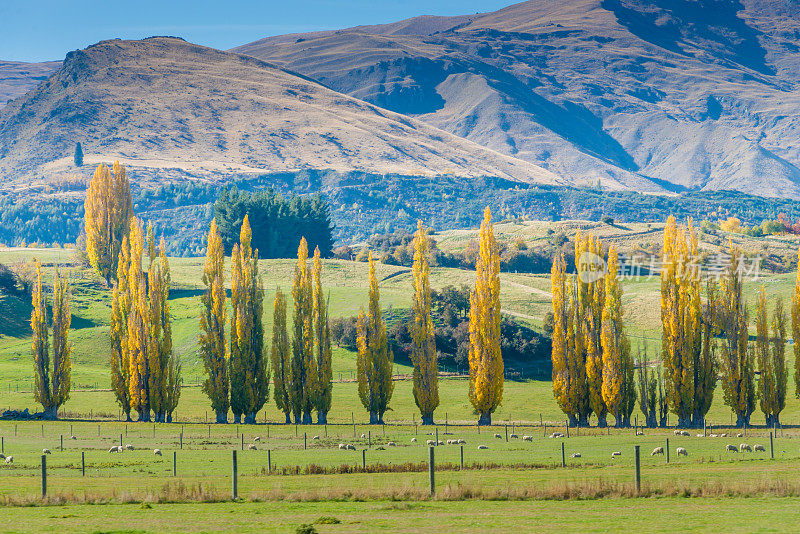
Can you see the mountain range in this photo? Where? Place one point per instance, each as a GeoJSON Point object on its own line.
{"type": "Point", "coordinates": [656, 96]}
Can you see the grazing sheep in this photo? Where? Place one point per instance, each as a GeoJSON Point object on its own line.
{"type": "Point", "coordinates": [701, 435]}
{"type": "Point", "coordinates": [759, 448]}
{"type": "Point", "coordinates": [430, 442]}
{"type": "Point", "coordinates": [251, 447]}
{"type": "Point", "coordinates": [462, 442]}
{"type": "Point", "coordinates": [513, 436]}
{"type": "Point", "coordinates": [9, 459]}
{"type": "Point", "coordinates": [115, 448]}
{"type": "Point", "coordinates": [527, 438]}
{"type": "Point", "coordinates": [731, 448]}
{"type": "Point", "coordinates": [685, 433]}
{"type": "Point", "coordinates": [391, 444]}
{"type": "Point", "coordinates": [315, 437]}
{"type": "Point", "coordinates": [441, 442]}
{"type": "Point", "coordinates": [640, 432]}
{"type": "Point", "coordinates": [363, 436]}
{"type": "Point", "coordinates": [657, 450]}
{"type": "Point", "coordinates": [498, 436]}
{"type": "Point", "coordinates": [342, 446]}
{"type": "Point", "coordinates": [616, 453]}
{"type": "Point", "coordinates": [157, 452]}
{"type": "Point", "coordinates": [556, 435]}
{"type": "Point", "coordinates": [351, 447]}
{"type": "Point", "coordinates": [745, 447]}
{"type": "Point", "coordinates": [723, 435]}
{"type": "Point", "coordinates": [681, 451]}
{"type": "Point", "coordinates": [72, 437]}
{"type": "Point", "coordinates": [677, 432]}
{"type": "Point", "coordinates": [714, 435]}
{"type": "Point", "coordinates": [128, 447]}
{"type": "Point", "coordinates": [575, 455]}
{"type": "Point", "coordinates": [739, 435]}
{"type": "Point", "coordinates": [450, 441]}
{"type": "Point", "coordinates": [257, 438]}
{"type": "Point", "coordinates": [482, 447]}
{"type": "Point", "coordinates": [413, 440]}
{"type": "Point", "coordinates": [46, 451]}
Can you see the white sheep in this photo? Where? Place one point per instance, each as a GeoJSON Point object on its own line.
{"type": "Point", "coordinates": [157, 452]}
{"type": "Point", "coordinates": [681, 451]}
{"type": "Point", "coordinates": [342, 446]}
{"type": "Point", "coordinates": [251, 447]}
{"type": "Point", "coordinates": [527, 438]}
{"type": "Point", "coordinates": [462, 442]}
{"type": "Point", "coordinates": [759, 448]}
{"type": "Point", "coordinates": [685, 433]}
{"type": "Point", "coordinates": [450, 441]}
{"type": "Point", "coordinates": [115, 448]}
{"type": "Point", "coordinates": [723, 435]}
{"type": "Point", "coordinates": [413, 440]}
{"type": "Point", "coordinates": [575, 455]}
{"type": "Point", "coordinates": [129, 447]}
{"type": "Point", "coordinates": [556, 435]}
{"type": "Point", "coordinates": [657, 450]}
{"type": "Point", "coordinates": [46, 451]}
{"type": "Point", "coordinates": [640, 432]}
{"type": "Point", "coordinates": [739, 435]}
{"type": "Point", "coordinates": [363, 436]}
{"type": "Point", "coordinates": [315, 437]}
{"type": "Point", "coordinates": [351, 447]}
{"type": "Point", "coordinates": [482, 447]}
{"type": "Point", "coordinates": [257, 438]}
{"type": "Point", "coordinates": [72, 437]}
{"type": "Point", "coordinates": [677, 432]}
{"type": "Point", "coordinates": [9, 459]}
{"type": "Point", "coordinates": [616, 453]}
{"type": "Point", "coordinates": [498, 436]}
{"type": "Point", "coordinates": [513, 436]}
{"type": "Point", "coordinates": [745, 447]}
{"type": "Point", "coordinates": [430, 442]}
{"type": "Point", "coordinates": [714, 435]}
{"type": "Point", "coordinates": [391, 444]}
{"type": "Point", "coordinates": [701, 435]}
{"type": "Point", "coordinates": [441, 442]}
{"type": "Point", "coordinates": [731, 448]}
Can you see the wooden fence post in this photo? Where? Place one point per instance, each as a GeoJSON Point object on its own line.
{"type": "Point", "coordinates": [563, 456]}
{"type": "Point", "coordinates": [638, 469]}
{"type": "Point", "coordinates": [83, 464]}
{"type": "Point", "coordinates": [44, 476]}
{"type": "Point", "coordinates": [771, 449]}
{"type": "Point", "coordinates": [235, 476]}
{"type": "Point", "coordinates": [667, 451]}
{"type": "Point", "coordinates": [174, 463]}
{"type": "Point", "coordinates": [431, 470]}
{"type": "Point", "coordinates": [462, 457]}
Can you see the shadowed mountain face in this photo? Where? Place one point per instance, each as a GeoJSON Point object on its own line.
{"type": "Point", "coordinates": [16, 78]}
{"type": "Point", "coordinates": [635, 94]}
{"type": "Point", "coordinates": [169, 109]}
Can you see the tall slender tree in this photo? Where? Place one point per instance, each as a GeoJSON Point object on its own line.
{"type": "Point", "coordinates": [281, 357]}
{"type": "Point", "coordinates": [120, 308]}
{"type": "Point", "coordinates": [617, 380]}
{"type": "Point", "coordinates": [736, 359]}
{"type": "Point", "coordinates": [213, 348]}
{"type": "Point", "coordinates": [138, 338]}
{"type": "Point", "coordinates": [780, 373]}
{"type": "Point", "coordinates": [249, 371]}
{"type": "Point", "coordinates": [107, 212]}
{"type": "Point", "coordinates": [423, 348]}
{"type": "Point", "coordinates": [704, 366]}
{"type": "Point", "coordinates": [77, 156]}
{"type": "Point", "coordinates": [485, 359]}
{"type": "Point", "coordinates": [322, 346]}
{"type": "Point", "coordinates": [304, 373]}
{"type": "Point", "coordinates": [375, 359]}
{"type": "Point", "coordinates": [648, 389]}
{"type": "Point", "coordinates": [162, 382]}
{"type": "Point", "coordinates": [53, 379]}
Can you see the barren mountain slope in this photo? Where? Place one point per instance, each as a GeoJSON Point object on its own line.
{"type": "Point", "coordinates": [17, 78]}
{"type": "Point", "coordinates": [692, 95]}
{"type": "Point", "coordinates": [175, 109]}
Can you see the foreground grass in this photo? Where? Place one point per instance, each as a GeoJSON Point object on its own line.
{"type": "Point", "coordinates": [611, 515]}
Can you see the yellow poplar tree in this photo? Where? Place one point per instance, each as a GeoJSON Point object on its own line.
{"type": "Point", "coordinates": [617, 366]}
{"type": "Point", "coordinates": [736, 358]}
{"type": "Point", "coordinates": [780, 373]}
{"type": "Point", "coordinates": [120, 308]}
{"type": "Point", "coordinates": [322, 346]}
{"type": "Point", "coordinates": [304, 375]}
{"type": "Point", "coordinates": [108, 210]}
{"type": "Point", "coordinates": [213, 348]}
{"type": "Point", "coordinates": [249, 369]}
{"type": "Point", "coordinates": [281, 357]}
{"type": "Point", "coordinates": [705, 365]}
{"type": "Point", "coordinates": [423, 348]}
{"type": "Point", "coordinates": [52, 384]}
{"type": "Point", "coordinates": [163, 364]}
{"type": "Point", "coordinates": [375, 360]}
{"type": "Point", "coordinates": [485, 359]}
{"type": "Point", "coordinates": [680, 317]}
{"type": "Point", "coordinates": [138, 327]}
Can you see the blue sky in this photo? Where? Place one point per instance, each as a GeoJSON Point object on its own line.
{"type": "Point", "coordinates": [39, 30]}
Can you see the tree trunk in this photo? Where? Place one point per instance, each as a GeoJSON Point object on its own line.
{"type": "Point", "coordinates": [697, 420]}
{"type": "Point", "coordinates": [626, 421]}
{"type": "Point", "coordinates": [573, 420]}
{"type": "Point", "coordinates": [485, 419]}
{"type": "Point", "coordinates": [128, 417]}
{"type": "Point", "coordinates": [222, 417]}
{"type": "Point", "coordinates": [684, 421]}
{"type": "Point", "coordinates": [169, 417]}
{"type": "Point", "coordinates": [776, 420]}
{"type": "Point", "coordinates": [373, 418]}
{"type": "Point", "coordinates": [298, 418]}
{"type": "Point", "coordinates": [601, 421]}
{"type": "Point", "coordinates": [651, 420]}
{"type": "Point", "coordinates": [380, 418]}
{"type": "Point", "coordinates": [237, 418]}
{"type": "Point", "coordinates": [583, 420]}
{"type": "Point", "coordinates": [307, 419]}
{"type": "Point", "coordinates": [288, 417]}
{"type": "Point", "coordinates": [144, 417]}
{"type": "Point", "coordinates": [740, 420]}
{"type": "Point", "coordinates": [250, 418]}
{"type": "Point", "coordinates": [322, 418]}
{"type": "Point", "coordinates": [50, 413]}
{"type": "Point", "coordinates": [427, 419]}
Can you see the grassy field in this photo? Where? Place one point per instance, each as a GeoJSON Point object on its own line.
{"type": "Point", "coordinates": [515, 485]}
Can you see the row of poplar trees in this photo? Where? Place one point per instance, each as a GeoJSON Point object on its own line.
{"type": "Point", "coordinates": [145, 373]}
{"type": "Point", "coordinates": [704, 341]}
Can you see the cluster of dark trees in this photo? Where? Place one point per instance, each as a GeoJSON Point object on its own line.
{"type": "Point", "coordinates": [278, 223]}
{"type": "Point", "coordinates": [524, 350]}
